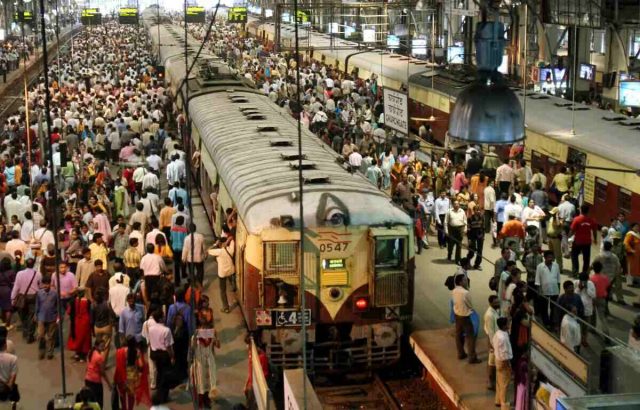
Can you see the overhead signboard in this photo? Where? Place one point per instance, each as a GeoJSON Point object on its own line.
{"type": "Point", "coordinates": [304, 16]}
{"type": "Point", "coordinates": [195, 14]}
{"type": "Point", "coordinates": [23, 17]}
{"type": "Point", "coordinates": [237, 15]}
{"type": "Point", "coordinates": [396, 110]}
{"type": "Point", "coordinates": [91, 16]}
{"type": "Point", "coordinates": [128, 15]}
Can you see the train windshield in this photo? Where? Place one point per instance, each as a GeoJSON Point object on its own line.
{"type": "Point", "coordinates": [390, 252]}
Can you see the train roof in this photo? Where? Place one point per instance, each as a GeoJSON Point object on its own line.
{"type": "Point", "coordinates": [385, 63]}
{"type": "Point", "coordinates": [598, 132]}
{"type": "Point", "coordinates": [255, 152]}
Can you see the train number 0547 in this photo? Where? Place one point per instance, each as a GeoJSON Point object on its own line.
{"type": "Point", "coordinates": [334, 247]}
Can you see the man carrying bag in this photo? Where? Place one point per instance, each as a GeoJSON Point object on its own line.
{"type": "Point", "coordinates": [23, 298]}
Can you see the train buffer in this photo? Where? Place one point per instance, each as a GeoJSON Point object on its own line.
{"type": "Point", "coordinates": [457, 383]}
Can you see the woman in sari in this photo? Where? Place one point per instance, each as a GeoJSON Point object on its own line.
{"type": "Point", "coordinates": [203, 367]}
{"type": "Point", "coordinates": [79, 340]}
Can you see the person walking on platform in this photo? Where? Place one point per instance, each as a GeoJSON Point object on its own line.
{"type": "Point", "coordinates": [548, 284]}
{"type": "Point", "coordinates": [601, 282]}
{"type": "Point", "coordinates": [582, 227]}
{"type": "Point", "coordinates": [23, 298]}
{"type": "Point", "coordinates": [455, 225]}
{"type": "Point", "coordinates": [490, 327]}
{"type": "Point", "coordinates": [442, 206]}
{"type": "Point", "coordinates": [463, 309]}
{"type": "Point", "coordinates": [503, 355]}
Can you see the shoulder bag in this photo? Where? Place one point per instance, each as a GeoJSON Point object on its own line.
{"type": "Point", "coordinates": [21, 298]}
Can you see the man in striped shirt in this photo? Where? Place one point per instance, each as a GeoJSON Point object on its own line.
{"type": "Point", "coordinates": [132, 259]}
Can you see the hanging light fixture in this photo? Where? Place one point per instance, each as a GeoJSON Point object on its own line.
{"type": "Point", "coordinates": [488, 111]}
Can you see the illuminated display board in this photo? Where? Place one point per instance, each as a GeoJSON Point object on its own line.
{"type": "Point", "coordinates": [237, 15]}
{"type": "Point", "coordinates": [91, 16]}
{"type": "Point", "coordinates": [304, 16]}
{"type": "Point", "coordinates": [195, 14]}
{"type": "Point", "coordinates": [23, 17]}
{"type": "Point", "coordinates": [128, 15]}
{"type": "Point", "coordinates": [332, 264]}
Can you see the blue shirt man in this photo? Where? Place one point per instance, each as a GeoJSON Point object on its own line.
{"type": "Point", "coordinates": [46, 303]}
{"type": "Point", "coordinates": [499, 211]}
{"type": "Point", "coordinates": [131, 319]}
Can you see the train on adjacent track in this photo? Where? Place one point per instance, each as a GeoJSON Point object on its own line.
{"type": "Point", "coordinates": [604, 143]}
{"type": "Point", "coordinates": [357, 246]}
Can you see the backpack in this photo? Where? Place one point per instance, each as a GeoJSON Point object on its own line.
{"type": "Point", "coordinates": [178, 325]}
{"type": "Point", "coordinates": [493, 283]}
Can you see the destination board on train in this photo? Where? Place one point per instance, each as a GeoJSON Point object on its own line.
{"type": "Point", "coordinates": [128, 15]}
{"type": "Point", "coordinates": [237, 15]}
{"type": "Point", "coordinates": [22, 17]}
{"type": "Point", "coordinates": [91, 17]}
{"type": "Point", "coordinates": [195, 14]}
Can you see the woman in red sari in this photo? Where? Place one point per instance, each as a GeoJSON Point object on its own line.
{"type": "Point", "coordinates": [80, 330]}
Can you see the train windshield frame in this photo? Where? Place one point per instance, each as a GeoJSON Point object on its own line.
{"type": "Point", "coordinates": [390, 252]}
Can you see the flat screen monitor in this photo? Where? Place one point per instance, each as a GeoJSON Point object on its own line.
{"type": "Point", "coordinates": [629, 95]}
{"type": "Point", "coordinates": [455, 55]}
{"type": "Point", "coordinates": [369, 35]}
{"type": "Point", "coordinates": [587, 72]}
{"type": "Point", "coordinates": [546, 74]}
{"type": "Point", "coordinates": [393, 41]}
{"type": "Point", "coordinates": [419, 47]}
{"type": "Point", "coordinates": [348, 31]}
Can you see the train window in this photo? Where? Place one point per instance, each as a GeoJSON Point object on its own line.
{"type": "Point", "coordinates": [600, 190]}
{"type": "Point", "coordinates": [389, 253]}
{"type": "Point", "coordinates": [624, 200]}
{"type": "Point", "coordinates": [281, 257]}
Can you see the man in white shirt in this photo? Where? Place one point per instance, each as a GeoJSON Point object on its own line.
{"type": "Point", "coordinates": [548, 283]}
{"type": "Point", "coordinates": [587, 292]}
{"type": "Point", "coordinates": [489, 205]}
{"type": "Point", "coordinates": [118, 293]}
{"type": "Point", "coordinates": [442, 206]}
{"type": "Point", "coordinates": [570, 334]}
{"type": "Point", "coordinates": [355, 160]}
{"type": "Point", "coordinates": [490, 328]}
{"type": "Point", "coordinates": [513, 208]}
{"type": "Point", "coordinates": [503, 355]}
{"type": "Point", "coordinates": [150, 181]}
{"type": "Point", "coordinates": [462, 309]}
{"type": "Point", "coordinates": [455, 226]}
{"type": "Point", "coordinates": [162, 355]}
{"type": "Point", "coordinates": [16, 244]}
{"type": "Point", "coordinates": [505, 177]}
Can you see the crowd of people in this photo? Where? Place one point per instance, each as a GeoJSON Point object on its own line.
{"type": "Point", "coordinates": [468, 196]}
{"type": "Point", "coordinates": [109, 229]}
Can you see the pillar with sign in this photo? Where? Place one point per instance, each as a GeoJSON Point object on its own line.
{"type": "Point", "coordinates": [396, 113]}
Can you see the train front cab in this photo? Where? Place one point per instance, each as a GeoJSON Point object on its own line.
{"type": "Point", "coordinates": [358, 294]}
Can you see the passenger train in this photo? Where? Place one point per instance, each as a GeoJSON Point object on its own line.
{"type": "Point", "coordinates": [357, 247]}
{"type": "Point", "coordinates": [604, 142]}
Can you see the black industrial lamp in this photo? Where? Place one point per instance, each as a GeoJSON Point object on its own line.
{"type": "Point", "coordinates": [488, 111]}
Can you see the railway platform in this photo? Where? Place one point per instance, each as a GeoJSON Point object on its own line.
{"type": "Point", "coordinates": [436, 351]}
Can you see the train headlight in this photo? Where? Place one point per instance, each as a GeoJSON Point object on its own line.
{"type": "Point", "coordinates": [336, 294]}
{"type": "Point", "coordinates": [361, 304]}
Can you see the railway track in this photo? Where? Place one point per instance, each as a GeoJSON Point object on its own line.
{"type": "Point", "coordinates": [12, 95]}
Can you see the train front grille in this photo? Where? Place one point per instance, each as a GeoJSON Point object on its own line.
{"type": "Point", "coordinates": [391, 289]}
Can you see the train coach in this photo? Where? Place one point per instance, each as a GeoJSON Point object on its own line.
{"type": "Point", "coordinates": [357, 247]}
